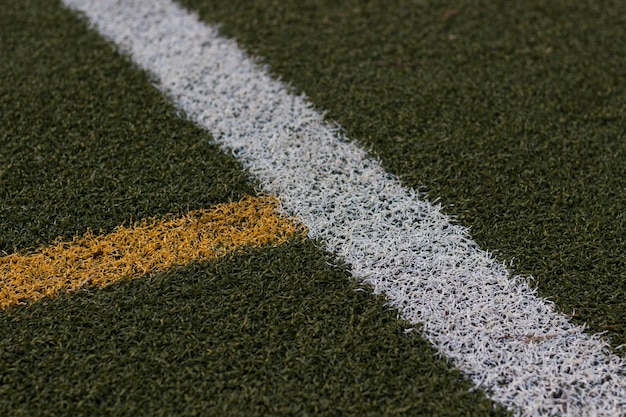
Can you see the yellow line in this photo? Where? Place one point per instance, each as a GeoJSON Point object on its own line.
{"type": "Point", "coordinates": [147, 247]}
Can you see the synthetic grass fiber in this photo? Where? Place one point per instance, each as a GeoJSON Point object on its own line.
{"type": "Point", "coordinates": [87, 142]}
{"type": "Point", "coordinates": [490, 325]}
{"type": "Point", "coordinates": [84, 143]}
{"type": "Point", "coordinates": [514, 113]}
{"type": "Point", "coordinates": [271, 332]}
{"type": "Point", "coordinates": [511, 114]}
{"type": "Point", "coordinates": [149, 246]}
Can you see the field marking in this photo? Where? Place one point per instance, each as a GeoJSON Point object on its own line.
{"type": "Point", "coordinates": [149, 246]}
{"type": "Point", "coordinates": [490, 324]}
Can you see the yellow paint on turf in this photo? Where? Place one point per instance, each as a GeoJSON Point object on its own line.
{"type": "Point", "coordinates": [147, 247]}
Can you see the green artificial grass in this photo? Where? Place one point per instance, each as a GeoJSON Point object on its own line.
{"type": "Point", "coordinates": [268, 332]}
{"type": "Point", "coordinates": [86, 141]}
{"type": "Point", "coordinates": [511, 114]}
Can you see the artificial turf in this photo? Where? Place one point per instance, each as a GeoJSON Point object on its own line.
{"type": "Point", "coordinates": [86, 141]}
{"type": "Point", "coordinates": [148, 247]}
{"type": "Point", "coordinates": [269, 332]}
{"type": "Point", "coordinates": [511, 114]}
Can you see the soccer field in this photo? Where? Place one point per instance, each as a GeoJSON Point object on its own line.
{"type": "Point", "coordinates": [450, 240]}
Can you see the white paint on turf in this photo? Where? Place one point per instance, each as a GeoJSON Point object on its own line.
{"type": "Point", "coordinates": [489, 324]}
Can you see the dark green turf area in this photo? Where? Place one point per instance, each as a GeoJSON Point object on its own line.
{"type": "Point", "coordinates": [515, 112]}
{"type": "Point", "coordinates": [269, 332]}
{"type": "Point", "coordinates": [86, 140]}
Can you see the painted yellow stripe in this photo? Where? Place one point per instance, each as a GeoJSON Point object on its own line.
{"type": "Point", "coordinates": [147, 247]}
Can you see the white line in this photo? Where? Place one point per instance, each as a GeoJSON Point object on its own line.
{"type": "Point", "coordinates": [491, 325]}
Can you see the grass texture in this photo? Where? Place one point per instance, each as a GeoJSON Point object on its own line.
{"type": "Point", "coordinates": [271, 332]}
{"type": "Point", "coordinates": [511, 115]}
{"type": "Point", "coordinates": [87, 142]}
{"type": "Point", "coordinates": [147, 247]}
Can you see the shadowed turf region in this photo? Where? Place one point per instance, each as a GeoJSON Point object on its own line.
{"type": "Point", "coordinates": [86, 141]}
{"type": "Point", "coordinates": [511, 114]}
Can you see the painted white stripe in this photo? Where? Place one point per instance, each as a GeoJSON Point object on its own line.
{"type": "Point", "coordinates": [491, 325]}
